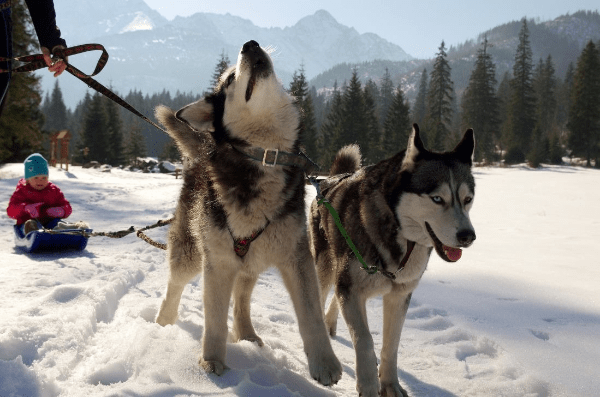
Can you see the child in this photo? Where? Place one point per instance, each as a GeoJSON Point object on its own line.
{"type": "Point", "coordinates": [36, 201]}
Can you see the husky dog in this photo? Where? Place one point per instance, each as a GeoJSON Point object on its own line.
{"type": "Point", "coordinates": [395, 212]}
{"type": "Point", "coordinates": [241, 210]}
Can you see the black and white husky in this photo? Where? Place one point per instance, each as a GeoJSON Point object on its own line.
{"type": "Point", "coordinates": [242, 210]}
{"type": "Point", "coordinates": [395, 212]}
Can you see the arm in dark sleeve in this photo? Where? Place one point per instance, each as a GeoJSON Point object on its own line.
{"type": "Point", "coordinates": [44, 21]}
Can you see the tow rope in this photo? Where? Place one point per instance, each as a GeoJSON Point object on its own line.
{"type": "Point", "coordinates": [119, 234]}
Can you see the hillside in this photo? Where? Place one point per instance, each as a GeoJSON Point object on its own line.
{"type": "Point", "coordinates": [563, 38]}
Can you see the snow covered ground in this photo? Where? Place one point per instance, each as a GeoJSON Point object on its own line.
{"type": "Point", "coordinates": [518, 315]}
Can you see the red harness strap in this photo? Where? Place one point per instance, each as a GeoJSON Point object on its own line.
{"type": "Point", "coordinates": [242, 245]}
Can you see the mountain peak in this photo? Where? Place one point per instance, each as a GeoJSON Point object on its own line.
{"type": "Point", "coordinates": [320, 17]}
{"type": "Point", "coordinates": [140, 22]}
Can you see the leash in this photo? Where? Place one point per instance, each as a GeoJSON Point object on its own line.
{"type": "Point", "coordinates": [36, 61]}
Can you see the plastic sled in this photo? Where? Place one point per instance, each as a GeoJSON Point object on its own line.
{"type": "Point", "coordinates": [38, 240]}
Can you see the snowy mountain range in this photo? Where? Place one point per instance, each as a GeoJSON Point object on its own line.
{"type": "Point", "coordinates": [149, 53]}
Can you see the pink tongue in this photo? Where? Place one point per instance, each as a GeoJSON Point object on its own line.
{"type": "Point", "coordinates": [453, 254]}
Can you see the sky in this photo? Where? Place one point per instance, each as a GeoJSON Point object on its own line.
{"type": "Point", "coordinates": [417, 26]}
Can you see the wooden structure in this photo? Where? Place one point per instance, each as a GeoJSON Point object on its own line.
{"type": "Point", "coordinates": [59, 148]}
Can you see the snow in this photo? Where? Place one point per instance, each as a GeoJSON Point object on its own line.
{"type": "Point", "coordinates": [518, 315]}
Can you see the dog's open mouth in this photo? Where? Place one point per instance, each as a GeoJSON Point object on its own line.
{"type": "Point", "coordinates": [449, 254]}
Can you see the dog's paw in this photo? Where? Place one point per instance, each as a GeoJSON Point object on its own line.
{"type": "Point", "coordinates": [253, 338]}
{"type": "Point", "coordinates": [325, 369]}
{"type": "Point", "coordinates": [166, 316]}
{"type": "Point", "coordinates": [368, 390]}
{"type": "Point", "coordinates": [248, 335]}
{"type": "Point", "coordinates": [392, 389]}
{"type": "Point", "coordinates": [331, 324]}
{"type": "Point", "coordinates": [215, 367]}
{"type": "Point", "coordinates": [165, 320]}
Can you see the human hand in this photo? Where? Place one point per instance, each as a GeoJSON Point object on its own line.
{"type": "Point", "coordinates": [55, 64]}
{"type": "Point", "coordinates": [33, 209]}
{"type": "Point", "coordinates": [55, 212]}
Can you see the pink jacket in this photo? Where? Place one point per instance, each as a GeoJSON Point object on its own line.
{"type": "Point", "coordinates": [24, 194]}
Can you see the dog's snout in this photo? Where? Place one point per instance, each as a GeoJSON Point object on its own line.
{"type": "Point", "coordinates": [466, 237]}
{"type": "Point", "coordinates": [250, 46]}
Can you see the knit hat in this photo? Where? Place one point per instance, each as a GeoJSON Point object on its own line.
{"type": "Point", "coordinates": [35, 165]}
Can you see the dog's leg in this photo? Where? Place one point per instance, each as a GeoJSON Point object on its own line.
{"type": "Point", "coordinates": [182, 270]}
{"type": "Point", "coordinates": [332, 316]}
{"type": "Point", "coordinates": [242, 323]}
{"type": "Point", "coordinates": [326, 279]}
{"type": "Point", "coordinates": [395, 306]}
{"type": "Point", "coordinates": [353, 306]}
{"type": "Point", "coordinates": [300, 278]}
{"type": "Point", "coordinates": [218, 285]}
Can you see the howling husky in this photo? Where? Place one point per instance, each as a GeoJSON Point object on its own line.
{"type": "Point", "coordinates": [395, 213]}
{"type": "Point", "coordinates": [241, 210]}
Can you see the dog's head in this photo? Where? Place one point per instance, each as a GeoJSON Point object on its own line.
{"type": "Point", "coordinates": [249, 104]}
{"type": "Point", "coordinates": [439, 193]}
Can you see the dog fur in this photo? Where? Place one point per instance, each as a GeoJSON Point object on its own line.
{"type": "Point", "coordinates": [415, 196]}
{"type": "Point", "coordinates": [227, 195]}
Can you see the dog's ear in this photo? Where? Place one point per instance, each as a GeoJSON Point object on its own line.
{"type": "Point", "coordinates": [414, 148]}
{"type": "Point", "coordinates": [198, 115]}
{"type": "Point", "coordinates": [465, 148]}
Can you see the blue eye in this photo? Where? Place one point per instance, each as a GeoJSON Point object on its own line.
{"type": "Point", "coordinates": [437, 199]}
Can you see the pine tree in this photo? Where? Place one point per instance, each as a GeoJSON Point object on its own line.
{"type": "Point", "coordinates": [521, 110]}
{"type": "Point", "coordinates": [480, 105]}
{"type": "Point", "coordinates": [374, 136]}
{"type": "Point", "coordinates": [420, 107]}
{"type": "Point", "coordinates": [545, 92]}
{"type": "Point", "coordinates": [136, 144]}
{"type": "Point", "coordinates": [21, 121]}
{"type": "Point", "coordinates": [299, 90]}
{"type": "Point", "coordinates": [504, 94]}
{"type": "Point", "coordinates": [544, 83]}
{"type": "Point", "coordinates": [355, 123]}
{"type": "Point", "coordinates": [331, 128]}
{"type": "Point", "coordinates": [76, 126]}
{"type": "Point", "coordinates": [221, 67]}
{"type": "Point", "coordinates": [439, 102]}
{"type": "Point", "coordinates": [95, 130]}
{"type": "Point", "coordinates": [584, 114]}
{"type": "Point", "coordinates": [564, 96]}
{"type": "Point", "coordinates": [55, 111]}
{"type": "Point", "coordinates": [114, 131]}
{"type": "Point", "coordinates": [386, 95]}
{"type": "Point", "coordinates": [397, 125]}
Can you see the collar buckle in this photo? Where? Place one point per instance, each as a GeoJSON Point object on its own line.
{"type": "Point", "coordinates": [264, 160]}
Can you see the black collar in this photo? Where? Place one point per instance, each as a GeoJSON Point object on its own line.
{"type": "Point", "coordinates": [273, 157]}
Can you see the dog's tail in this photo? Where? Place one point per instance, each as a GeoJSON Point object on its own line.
{"type": "Point", "coordinates": [347, 160]}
